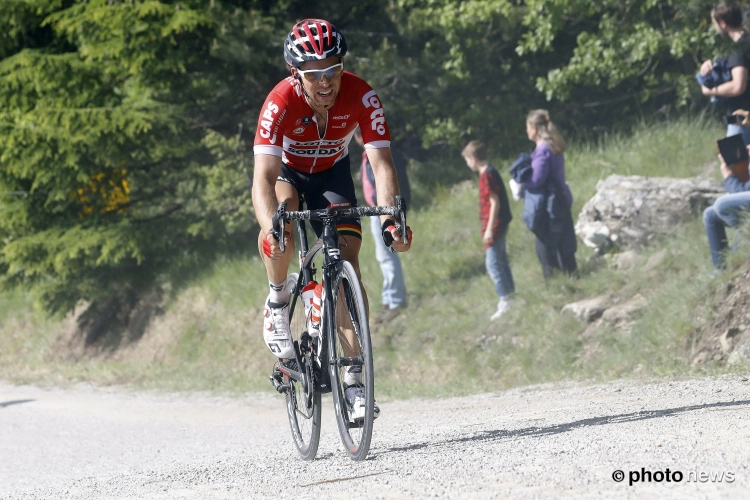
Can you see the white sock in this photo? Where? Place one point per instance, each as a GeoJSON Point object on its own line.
{"type": "Point", "coordinates": [279, 293]}
{"type": "Point", "coordinates": [353, 375]}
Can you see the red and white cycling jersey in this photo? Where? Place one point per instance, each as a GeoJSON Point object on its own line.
{"type": "Point", "coordinates": [287, 126]}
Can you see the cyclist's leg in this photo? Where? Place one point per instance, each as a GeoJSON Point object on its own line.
{"type": "Point", "coordinates": [276, 269]}
{"type": "Point", "coordinates": [350, 252]}
{"type": "Point", "coordinates": [276, 326]}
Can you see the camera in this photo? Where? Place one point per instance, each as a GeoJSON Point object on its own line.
{"type": "Point", "coordinates": [732, 119]}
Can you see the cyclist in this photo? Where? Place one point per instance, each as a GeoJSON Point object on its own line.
{"type": "Point", "coordinates": [301, 147]}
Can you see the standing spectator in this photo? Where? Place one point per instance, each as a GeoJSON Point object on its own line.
{"type": "Point", "coordinates": [725, 212]}
{"type": "Point", "coordinates": [494, 213]}
{"type": "Point", "coordinates": [556, 243]}
{"type": "Point", "coordinates": [728, 22]}
{"type": "Point", "coordinates": [394, 288]}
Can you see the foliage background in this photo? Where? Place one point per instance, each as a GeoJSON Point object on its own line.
{"type": "Point", "coordinates": [206, 335]}
{"type": "Point", "coordinates": [126, 126]}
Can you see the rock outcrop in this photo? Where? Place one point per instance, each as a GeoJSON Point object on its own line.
{"type": "Point", "coordinates": [630, 211]}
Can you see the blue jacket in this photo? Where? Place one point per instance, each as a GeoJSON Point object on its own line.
{"type": "Point", "coordinates": [544, 208]}
{"type": "Point", "coordinates": [720, 74]}
{"type": "Point", "coordinates": [544, 211]}
{"type": "Point", "coordinates": [520, 170]}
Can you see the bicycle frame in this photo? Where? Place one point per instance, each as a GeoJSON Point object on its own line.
{"type": "Point", "coordinates": [322, 364]}
{"type": "Point", "coordinates": [328, 243]}
{"type": "Point", "coordinates": [332, 255]}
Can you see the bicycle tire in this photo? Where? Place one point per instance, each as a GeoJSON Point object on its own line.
{"type": "Point", "coordinates": [303, 404]}
{"type": "Point", "coordinates": [348, 308]}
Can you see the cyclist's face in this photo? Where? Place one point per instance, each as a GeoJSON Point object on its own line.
{"type": "Point", "coordinates": [323, 92]}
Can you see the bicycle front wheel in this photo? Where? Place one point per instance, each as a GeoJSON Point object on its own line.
{"type": "Point", "coordinates": [302, 399]}
{"type": "Point", "coordinates": [351, 367]}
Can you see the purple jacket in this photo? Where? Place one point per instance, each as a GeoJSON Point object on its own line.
{"type": "Point", "coordinates": [546, 165]}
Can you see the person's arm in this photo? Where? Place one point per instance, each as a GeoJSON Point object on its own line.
{"type": "Point", "coordinates": [734, 87]}
{"type": "Point", "coordinates": [267, 169]}
{"type": "Point", "coordinates": [540, 166]}
{"type": "Point", "coordinates": [386, 181]}
{"type": "Point", "coordinates": [487, 237]}
{"type": "Point", "coordinates": [401, 163]}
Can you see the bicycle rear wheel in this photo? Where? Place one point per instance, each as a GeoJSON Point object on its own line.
{"type": "Point", "coordinates": [302, 400]}
{"type": "Point", "coordinates": [350, 347]}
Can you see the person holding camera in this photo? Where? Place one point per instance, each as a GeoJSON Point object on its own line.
{"type": "Point", "coordinates": [728, 22]}
{"type": "Point", "coordinates": [727, 209]}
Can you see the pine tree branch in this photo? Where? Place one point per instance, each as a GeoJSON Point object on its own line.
{"type": "Point", "coordinates": [160, 216]}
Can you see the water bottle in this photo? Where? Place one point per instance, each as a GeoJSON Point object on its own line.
{"type": "Point", "coordinates": [307, 297]}
{"type": "Point", "coordinates": [313, 326]}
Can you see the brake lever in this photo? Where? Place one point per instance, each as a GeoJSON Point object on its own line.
{"type": "Point", "coordinates": [277, 221]}
{"type": "Point", "coordinates": [401, 205]}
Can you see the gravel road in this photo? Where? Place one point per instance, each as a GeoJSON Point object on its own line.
{"type": "Point", "coordinates": [555, 440]}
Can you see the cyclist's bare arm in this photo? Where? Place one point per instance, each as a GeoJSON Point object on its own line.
{"type": "Point", "coordinates": [267, 169]}
{"type": "Point", "coordinates": [385, 175]}
{"type": "Point", "coordinates": [381, 162]}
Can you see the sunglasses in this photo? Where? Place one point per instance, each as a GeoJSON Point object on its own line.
{"type": "Point", "coordinates": [316, 75]}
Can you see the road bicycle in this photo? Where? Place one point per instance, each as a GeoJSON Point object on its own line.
{"type": "Point", "coordinates": [321, 361]}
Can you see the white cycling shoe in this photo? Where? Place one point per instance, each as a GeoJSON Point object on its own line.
{"type": "Point", "coordinates": [276, 331]}
{"type": "Point", "coordinates": [355, 399]}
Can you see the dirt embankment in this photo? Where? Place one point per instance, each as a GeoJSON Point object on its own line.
{"type": "Point", "coordinates": [726, 339]}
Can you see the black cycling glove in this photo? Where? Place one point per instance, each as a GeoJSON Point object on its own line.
{"type": "Point", "coordinates": [387, 236]}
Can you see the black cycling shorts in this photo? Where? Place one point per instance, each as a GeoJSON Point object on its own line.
{"type": "Point", "coordinates": [322, 189]}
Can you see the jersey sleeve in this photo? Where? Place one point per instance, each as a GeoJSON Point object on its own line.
{"type": "Point", "coordinates": [269, 135]}
{"type": "Point", "coordinates": [375, 133]}
{"type": "Point", "coordinates": [739, 54]}
{"type": "Point", "coordinates": [496, 183]}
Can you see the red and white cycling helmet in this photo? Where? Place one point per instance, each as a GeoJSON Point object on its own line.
{"type": "Point", "coordinates": [313, 40]}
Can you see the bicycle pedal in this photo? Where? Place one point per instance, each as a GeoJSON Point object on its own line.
{"type": "Point", "coordinates": [275, 379]}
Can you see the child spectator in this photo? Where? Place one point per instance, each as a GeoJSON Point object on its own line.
{"type": "Point", "coordinates": [494, 213]}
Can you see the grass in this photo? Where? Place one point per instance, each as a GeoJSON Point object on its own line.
{"type": "Point", "coordinates": [208, 337]}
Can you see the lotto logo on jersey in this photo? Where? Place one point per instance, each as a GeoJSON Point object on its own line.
{"type": "Point", "coordinates": [370, 100]}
